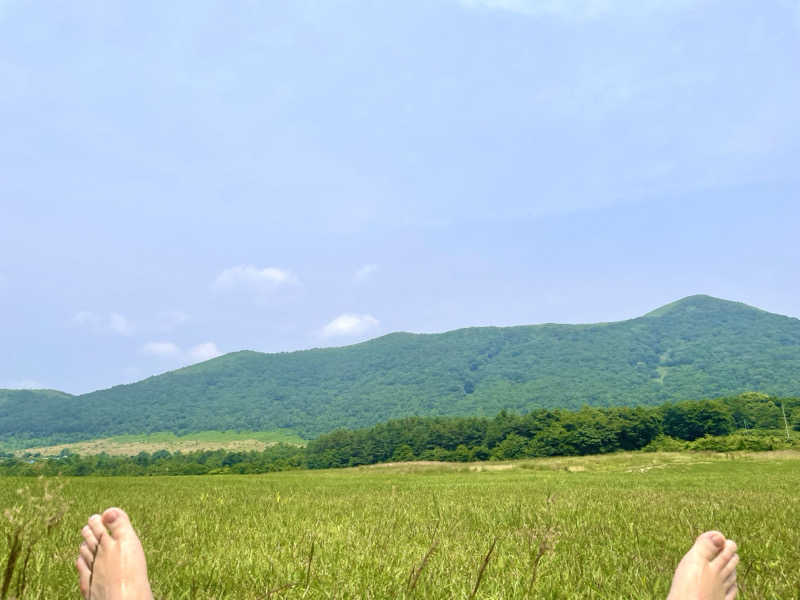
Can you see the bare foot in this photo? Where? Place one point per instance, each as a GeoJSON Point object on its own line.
{"type": "Point", "coordinates": [111, 563]}
{"type": "Point", "coordinates": [707, 571]}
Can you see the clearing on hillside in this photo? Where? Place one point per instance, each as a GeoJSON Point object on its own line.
{"type": "Point", "coordinates": [130, 445]}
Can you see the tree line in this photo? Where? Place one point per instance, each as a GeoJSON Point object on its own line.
{"type": "Point", "coordinates": [280, 457]}
{"type": "Point", "coordinates": [748, 421]}
{"type": "Point", "coordinates": [552, 432]}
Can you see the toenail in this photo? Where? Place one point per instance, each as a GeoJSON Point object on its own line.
{"type": "Point", "coordinates": [112, 516]}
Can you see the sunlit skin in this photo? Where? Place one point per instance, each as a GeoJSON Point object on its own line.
{"type": "Point", "coordinates": [111, 563]}
{"type": "Point", "coordinates": [707, 571]}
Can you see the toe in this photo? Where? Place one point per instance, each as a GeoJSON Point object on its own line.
{"type": "Point", "coordinates": [731, 592]}
{"type": "Point", "coordinates": [729, 581]}
{"type": "Point", "coordinates": [725, 556]}
{"type": "Point", "coordinates": [86, 554]}
{"type": "Point", "coordinates": [118, 523]}
{"type": "Point", "coordinates": [709, 544]}
{"type": "Point", "coordinates": [97, 528]}
{"type": "Point", "coordinates": [84, 576]}
{"type": "Point", "coordinates": [730, 568]}
{"type": "Point", "coordinates": [89, 538]}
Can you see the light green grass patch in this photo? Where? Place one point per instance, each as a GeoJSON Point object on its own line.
{"type": "Point", "coordinates": [203, 440]}
{"type": "Point", "coordinates": [278, 436]}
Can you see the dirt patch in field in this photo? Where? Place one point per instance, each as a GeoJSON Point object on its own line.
{"type": "Point", "coordinates": [446, 465]}
{"type": "Point", "coordinates": [412, 463]}
{"type": "Point", "coordinates": [623, 462]}
{"type": "Point", "coordinates": [490, 467]}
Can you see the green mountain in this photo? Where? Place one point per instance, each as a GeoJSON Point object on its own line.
{"type": "Point", "coordinates": [693, 348]}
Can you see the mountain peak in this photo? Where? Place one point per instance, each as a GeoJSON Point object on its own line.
{"type": "Point", "coordinates": [696, 347]}
{"type": "Point", "coordinates": [701, 302]}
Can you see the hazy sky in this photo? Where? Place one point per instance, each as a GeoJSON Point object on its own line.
{"type": "Point", "coordinates": [181, 179]}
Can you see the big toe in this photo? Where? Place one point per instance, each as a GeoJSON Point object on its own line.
{"type": "Point", "coordinates": [118, 523]}
{"type": "Point", "coordinates": [709, 544]}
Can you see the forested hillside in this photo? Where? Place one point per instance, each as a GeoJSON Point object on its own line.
{"type": "Point", "coordinates": [750, 421]}
{"type": "Point", "coordinates": [697, 347]}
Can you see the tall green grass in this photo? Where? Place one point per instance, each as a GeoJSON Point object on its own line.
{"type": "Point", "coordinates": [615, 529]}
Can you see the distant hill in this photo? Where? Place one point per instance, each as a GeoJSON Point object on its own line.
{"type": "Point", "coordinates": [693, 348]}
{"type": "Point", "coordinates": [23, 396]}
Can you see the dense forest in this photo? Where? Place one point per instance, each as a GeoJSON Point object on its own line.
{"type": "Point", "coordinates": [545, 432]}
{"type": "Point", "coordinates": [746, 422]}
{"type": "Point", "coordinates": [698, 347]}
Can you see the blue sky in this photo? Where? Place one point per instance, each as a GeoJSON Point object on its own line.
{"type": "Point", "coordinates": [183, 179]}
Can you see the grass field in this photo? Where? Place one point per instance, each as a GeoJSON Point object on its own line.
{"type": "Point", "coordinates": [612, 526]}
{"type": "Point", "coordinates": [130, 445]}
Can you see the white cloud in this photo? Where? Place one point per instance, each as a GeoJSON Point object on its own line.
{"type": "Point", "coordinates": [119, 324]}
{"type": "Point", "coordinates": [364, 273]}
{"type": "Point", "coordinates": [25, 384]}
{"type": "Point", "coordinates": [582, 10]}
{"type": "Point", "coordinates": [161, 349]}
{"type": "Point", "coordinates": [249, 277]}
{"type": "Point", "coordinates": [101, 323]}
{"type": "Point", "coordinates": [171, 351]}
{"type": "Point", "coordinates": [350, 325]}
{"type": "Point", "coordinates": [203, 352]}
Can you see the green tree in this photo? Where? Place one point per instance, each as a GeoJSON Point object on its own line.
{"type": "Point", "coordinates": [462, 454]}
{"type": "Point", "coordinates": [513, 446]}
{"type": "Point", "coordinates": [404, 453]}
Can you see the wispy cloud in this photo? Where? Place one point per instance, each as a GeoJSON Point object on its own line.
{"type": "Point", "coordinates": [203, 352]}
{"type": "Point", "coordinates": [161, 349]}
{"type": "Point", "coordinates": [171, 351]}
{"type": "Point", "coordinates": [582, 10]}
{"type": "Point", "coordinates": [348, 325]}
{"type": "Point", "coordinates": [119, 324]}
{"type": "Point", "coordinates": [249, 277]}
{"type": "Point", "coordinates": [364, 273]}
{"type": "Point", "coordinates": [103, 323]}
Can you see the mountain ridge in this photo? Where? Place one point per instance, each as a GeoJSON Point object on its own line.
{"type": "Point", "coordinates": [698, 346]}
{"type": "Point", "coordinates": [658, 312]}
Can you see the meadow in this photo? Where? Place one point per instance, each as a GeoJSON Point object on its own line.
{"type": "Point", "coordinates": [611, 526]}
{"type": "Point", "coordinates": [130, 445]}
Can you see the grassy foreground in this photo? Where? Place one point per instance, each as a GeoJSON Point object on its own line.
{"type": "Point", "coordinates": [612, 526]}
